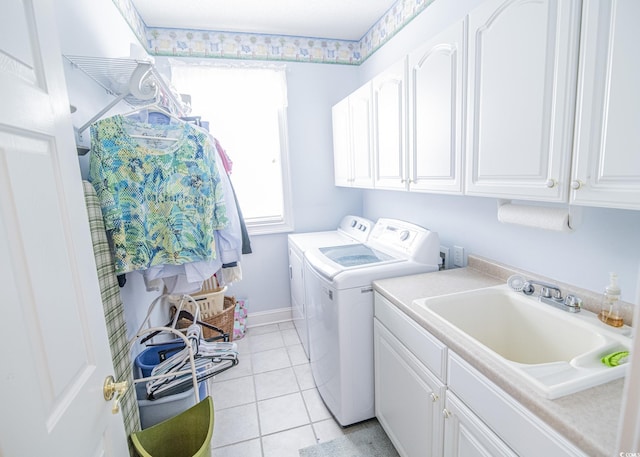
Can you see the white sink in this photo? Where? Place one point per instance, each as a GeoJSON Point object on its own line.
{"type": "Point", "coordinates": [557, 352]}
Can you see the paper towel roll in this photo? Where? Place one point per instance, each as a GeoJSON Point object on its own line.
{"type": "Point", "coordinates": [535, 216]}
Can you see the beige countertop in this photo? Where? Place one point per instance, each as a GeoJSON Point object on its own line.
{"type": "Point", "coordinates": [589, 419]}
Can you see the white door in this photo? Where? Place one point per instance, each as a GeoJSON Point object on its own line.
{"type": "Point", "coordinates": [522, 71]}
{"type": "Point", "coordinates": [465, 435]}
{"type": "Point", "coordinates": [55, 354]}
{"type": "Point", "coordinates": [408, 397]}
{"type": "Point", "coordinates": [436, 78]}
{"type": "Point", "coordinates": [389, 121]}
{"type": "Point", "coordinates": [606, 167]}
{"type": "Point", "coordinates": [361, 136]}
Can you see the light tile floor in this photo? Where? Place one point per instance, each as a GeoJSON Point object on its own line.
{"type": "Point", "coordinates": [268, 405]}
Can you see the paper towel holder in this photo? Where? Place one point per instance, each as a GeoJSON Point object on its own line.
{"type": "Point", "coordinates": [573, 214]}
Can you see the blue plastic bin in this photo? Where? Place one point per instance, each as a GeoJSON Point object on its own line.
{"type": "Point", "coordinates": [155, 411]}
{"type": "Point", "coordinates": [153, 355]}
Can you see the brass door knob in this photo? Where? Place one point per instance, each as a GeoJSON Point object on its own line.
{"type": "Point", "coordinates": [111, 388]}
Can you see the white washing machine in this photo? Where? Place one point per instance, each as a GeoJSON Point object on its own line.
{"type": "Point", "coordinates": [352, 230]}
{"type": "Point", "coordinates": [339, 301]}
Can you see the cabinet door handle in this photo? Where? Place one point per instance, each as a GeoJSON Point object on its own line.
{"type": "Point", "coordinates": [446, 413]}
{"type": "Point", "coordinates": [551, 183]}
{"type": "Point", "coordinates": [434, 397]}
{"type": "Point", "coordinates": [576, 184]}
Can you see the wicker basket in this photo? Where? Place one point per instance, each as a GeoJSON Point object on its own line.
{"type": "Point", "coordinates": [215, 309]}
{"type": "Point", "coordinates": [224, 320]}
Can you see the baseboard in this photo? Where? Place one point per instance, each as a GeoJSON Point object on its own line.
{"type": "Point", "coordinates": [272, 316]}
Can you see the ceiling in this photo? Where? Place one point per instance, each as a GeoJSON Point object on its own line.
{"type": "Point", "coordinates": [327, 19]}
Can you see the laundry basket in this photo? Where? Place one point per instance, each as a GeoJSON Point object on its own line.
{"type": "Point", "coordinates": [186, 435]}
{"type": "Point", "coordinates": [223, 318]}
{"type": "Point", "coordinates": [210, 299]}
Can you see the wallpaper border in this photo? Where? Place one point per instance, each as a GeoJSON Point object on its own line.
{"type": "Point", "coordinates": [245, 46]}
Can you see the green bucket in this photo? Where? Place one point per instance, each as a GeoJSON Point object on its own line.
{"type": "Point", "coordinates": [186, 435]}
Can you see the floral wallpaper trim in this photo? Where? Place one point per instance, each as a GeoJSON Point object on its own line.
{"type": "Point", "coordinates": [202, 43]}
{"type": "Point", "coordinates": [230, 45]}
{"type": "Point", "coordinates": [131, 15]}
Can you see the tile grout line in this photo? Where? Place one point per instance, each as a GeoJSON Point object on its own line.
{"type": "Point", "coordinates": [299, 391]}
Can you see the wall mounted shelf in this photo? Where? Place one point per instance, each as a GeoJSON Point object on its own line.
{"type": "Point", "coordinates": [134, 81]}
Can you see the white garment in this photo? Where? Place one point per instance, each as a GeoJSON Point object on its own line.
{"type": "Point", "coordinates": [180, 279]}
{"type": "Point", "coordinates": [231, 275]}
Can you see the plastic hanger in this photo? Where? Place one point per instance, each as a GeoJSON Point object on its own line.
{"type": "Point", "coordinates": [155, 108]}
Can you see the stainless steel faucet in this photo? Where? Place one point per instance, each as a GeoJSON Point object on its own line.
{"type": "Point", "coordinates": [552, 295]}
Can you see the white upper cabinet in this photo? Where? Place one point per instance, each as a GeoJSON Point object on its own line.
{"type": "Point", "coordinates": [352, 132]}
{"type": "Point", "coordinates": [522, 72]}
{"type": "Point", "coordinates": [436, 81]}
{"type": "Point", "coordinates": [389, 122]}
{"type": "Point", "coordinates": [606, 162]}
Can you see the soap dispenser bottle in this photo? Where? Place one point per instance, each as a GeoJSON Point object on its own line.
{"type": "Point", "coordinates": [610, 313]}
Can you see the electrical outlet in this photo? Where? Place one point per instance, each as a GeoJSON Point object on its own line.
{"type": "Point", "coordinates": [458, 256]}
{"type": "Point", "coordinates": [445, 259]}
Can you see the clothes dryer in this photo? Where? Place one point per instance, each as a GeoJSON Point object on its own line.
{"type": "Point", "coordinates": [352, 230]}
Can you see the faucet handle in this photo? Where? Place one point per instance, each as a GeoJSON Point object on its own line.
{"type": "Point", "coordinates": [545, 289]}
{"type": "Point", "coordinates": [544, 292]}
{"type": "Point", "coordinates": [573, 302]}
{"type": "Point", "coordinates": [551, 292]}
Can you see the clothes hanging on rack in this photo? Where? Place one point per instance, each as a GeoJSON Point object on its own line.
{"type": "Point", "coordinates": [237, 243]}
{"type": "Point", "coordinates": [168, 203]}
{"type": "Point", "coordinates": [188, 278]}
{"type": "Point", "coordinates": [244, 233]}
{"type": "Point", "coordinates": [229, 239]}
{"type": "Point", "coordinates": [180, 279]}
{"type": "Point", "coordinates": [162, 201]}
{"type": "Point", "coordinates": [226, 160]}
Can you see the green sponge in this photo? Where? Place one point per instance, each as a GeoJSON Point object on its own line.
{"type": "Point", "coordinates": [616, 358]}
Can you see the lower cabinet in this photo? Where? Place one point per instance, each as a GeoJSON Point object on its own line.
{"type": "Point", "coordinates": [408, 398]}
{"type": "Point", "coordinates": [465, 435]}
{"type": "Point", "coordinates": [431, 402]}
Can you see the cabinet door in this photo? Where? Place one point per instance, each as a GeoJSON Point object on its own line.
{"type": "Point", "coordinates": [408, 398]}
{"type": "Point", "coordinates": [465, 435]}
{"type": "Point", "coordinates": [389, 120]}
{"type": "Point", "coordinates": [436, 81]}
{"type": "Point", "coordinates": [341, 143]}
{"type": "Point", "coordinates": [606, 168]}
{"type": "Point", "coordinates": [360, 121]}
{"type": "Point", "coordinates": [522, 72]}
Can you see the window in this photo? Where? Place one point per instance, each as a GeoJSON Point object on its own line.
{"type": "Point", "coordinates": [246, 110]}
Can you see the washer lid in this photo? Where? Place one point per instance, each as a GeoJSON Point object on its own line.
{"type": "Point", "coordinates": [333, 260]}
{"type": "Point", "coordinates": [354, 255]}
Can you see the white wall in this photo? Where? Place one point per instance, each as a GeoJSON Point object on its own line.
{"type": "Point", "coordinates": [606, 240]}
{"type": "Point", "coordinates": [93, 28]}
